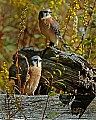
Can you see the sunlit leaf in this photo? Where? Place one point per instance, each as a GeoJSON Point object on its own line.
{"type": "Point", "coordinates": [61, 82]}
{"type": "Point", "coordinates": [60, 73]}
{"type": "Point", "coordinates": [52, 93]}
{"type": "Point", "coordinates": [8, 29]}
{"type": "Point", "coordinates": [37, 36]}
{"type": "Point", "coordinates": [52, 115]}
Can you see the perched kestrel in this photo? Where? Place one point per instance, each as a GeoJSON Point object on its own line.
{"type": "Point", "coordinates": [34, 76]}
{"type": "Point", "coordinates": [49, 27]}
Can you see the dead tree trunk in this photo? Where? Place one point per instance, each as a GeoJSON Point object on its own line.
{"type": "Point", "coordinates": [64, 71]}
{"type": "Point", "coordinates": [61, 71]}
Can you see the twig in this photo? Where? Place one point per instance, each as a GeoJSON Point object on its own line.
{"type": "Point", "coordinates": [45, 108]}
{"type": "Point", "coordinates": [23, 56]}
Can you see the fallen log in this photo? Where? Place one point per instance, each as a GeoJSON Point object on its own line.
{"type": "Point", "coordinates": [32, 108]}
{"type": "Point", "coordinates": [61, 71]}
{"type": "Point", "coordinates": [64, 71]}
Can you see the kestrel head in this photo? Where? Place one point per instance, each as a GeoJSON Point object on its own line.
{"type": "Point", "coordinates": [43, 14]}
{"type": "Point", "coordinates": [36, 61]}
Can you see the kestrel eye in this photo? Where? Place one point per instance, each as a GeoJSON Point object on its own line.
{"type": "Point", "coordinates": [50, 12]}
{"type": "Point", "coordinates": [35, 60]}
{"type": "Point", "coordinates": [45, 11]}
{"type": "Point", "coordinates": [40, 60]}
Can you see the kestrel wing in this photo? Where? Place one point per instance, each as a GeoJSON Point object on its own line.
{"type": "Point", "coordinates": [55, 26]}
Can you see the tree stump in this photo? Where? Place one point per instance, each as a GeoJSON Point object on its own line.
{"type": "Point", "coordinates": [64, 71]}
{"type": "Point", "coordinates": [32, 108]}
{"type": "Point", "coordinates": [61, 71]}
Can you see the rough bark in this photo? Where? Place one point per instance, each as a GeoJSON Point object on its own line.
{"type": "Point", "coordinates": [64, 71]}
{"type": "Point", "coordinates": [33, 108]}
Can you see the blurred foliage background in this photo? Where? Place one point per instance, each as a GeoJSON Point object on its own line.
{"type": "Point", "coordinates": [77, 20]}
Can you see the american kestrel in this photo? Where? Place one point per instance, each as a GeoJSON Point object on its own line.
{"type": "Point", "coordinates": [34, 76]}
{"type": "Point", "coordinates": [49, 27]}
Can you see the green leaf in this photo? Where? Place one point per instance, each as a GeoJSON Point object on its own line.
{"type": "Point", "coordinates": [60, 82]}
{"type": "Point", "coordinates": [10, 47]}
{"type": "Point", "coordinates": [8, 29]}
{"type": "Point", "coordinates": [37, 36]}
{"type": "Point", "coordinates": [52, 115]}
{"type": "Point", "coordinates": [54, 58]}
{"type": "Point", "coordinates": [52, 93]}
{"type": "Point", "coordinates": [60, 64]}
{"type": "Point", "coordinates": [42, 44]}
{"type": "Point", "coordinates": [60, 73]}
